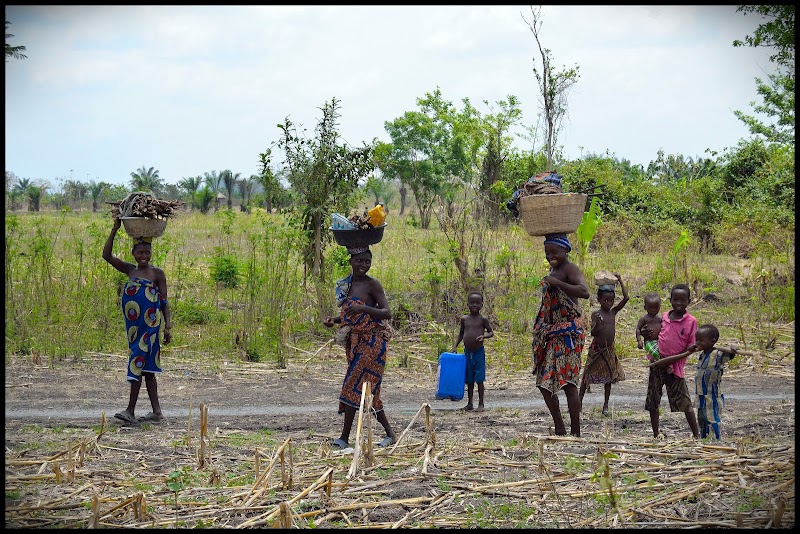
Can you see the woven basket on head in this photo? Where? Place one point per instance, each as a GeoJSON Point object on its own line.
{"type": "Point", "coordinates": [558, 213]}
{"type": "Point", "coordinates": [143, 227]}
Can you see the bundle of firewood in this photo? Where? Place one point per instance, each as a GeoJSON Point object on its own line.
{"type": "Point", "coordinates": [146, 205]}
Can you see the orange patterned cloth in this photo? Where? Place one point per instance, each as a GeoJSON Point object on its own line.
{"type": "Point", "coordinates": [366, 347]}
{"type": "Point", "coordinates": [558, 338]}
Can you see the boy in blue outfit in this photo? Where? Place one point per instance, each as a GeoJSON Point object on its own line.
{"type": "Point", "coordinates": [710, 365]}
{"type": "Point", "coordinates": [474, 329]}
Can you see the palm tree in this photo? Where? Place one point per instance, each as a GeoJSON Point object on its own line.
{"type": "Point", "coordinates": [230, 179]}
{"type": "Point", "coordinates": [212, 180]}
{"type": "Point", "coordinates": [146, 180]}
{"type": "Point", "coordinates": [22, 185]}
{"type": "Point", "coordinates": [96, 190]}
{"type": "Point", "coordinates": [75, 190]}
{"type": "Point", "coordinates": [190, 186]}
{"type": "Point", "coordinates": [34, 197]}
{"type": "Point", "coordinates": [203, 198]}
{"type": "Point", "coordinates": [13, 51]}
{"type": "Point", "coordinates": [245, 189]}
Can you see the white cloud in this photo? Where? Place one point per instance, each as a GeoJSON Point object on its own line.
{"type": "Point", "coordinates": [190, 89]}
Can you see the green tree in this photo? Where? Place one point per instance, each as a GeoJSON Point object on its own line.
{"type": "Point", "coordinates": [433, 150]}
{"type": "Point", "coordinates": [245, 186]}
{"type": "Point", "coordinates": [22, 185]}
{"type": "Point", "coordinates": [554, 87]}
{"type": "Point", "coordinates": [229, 180]}
{"type": "Point", "coordinates": [34, 194]}
{"type": "Point", "coordinates": [268, 180]}
{"type": "Point", "coordinates": [778, 94]}
{"type": "Point", "coordinates": [375, 186]}
{"type": "Point", "coordinates": [190, 186]}
{"type": "Point", "coordinates": [15, 52]}
{"type": "Point", "coordinates": [203, 198]}
{"type": "Point", "coordinates": [146, 180]}
{"type": "Point", "coordinates": [498, 147]}
{"type": "Point", "coordinates": [390, 169]}
{"type": "Point", "coordinates": [324, 173]}
{"type": "Point", "coordinates": [75, 191]}
{"type": "Point", "coordinates": [96, 190]}
{"type": "Point", "coordinates": [214, 181]}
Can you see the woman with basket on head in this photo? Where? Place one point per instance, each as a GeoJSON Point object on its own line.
{"type": "Point", "coordinates": [364, 331]}
{"type": "Point", "coordinates": [144, 305]}
{"type": "Point", "coordinates": [558, 333]}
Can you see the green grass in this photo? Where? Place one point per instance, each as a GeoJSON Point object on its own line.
{"type": "Point", "coordinates": [260, 438]}
{"type": "Point", "coordinates": [241, 276]}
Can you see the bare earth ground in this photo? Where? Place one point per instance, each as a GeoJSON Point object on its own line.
{"type": "Point", "coordinates": [464, 469]}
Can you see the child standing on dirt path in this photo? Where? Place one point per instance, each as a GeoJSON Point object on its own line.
{"type": "Point", "coordinates": [651, 319]}
{"type": "Point", "coordinates": [708, 378]}
{"type": "Point", "coordinates": [558, 334]}
{"type": "Point", "coordinates": [675, 341]}
{"type": "Point", "coordinates": [602, 364]}
{"type": "Point", "coordinates": [144, 306]}
{"type": "Point", "coordinates": [474, 329]}
{"type": "Point", "coordinates": [365, 311]}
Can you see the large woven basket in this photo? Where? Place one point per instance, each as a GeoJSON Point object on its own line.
{"type": "Point", "coordinates": [557, 213]}
{"type": "Point", "coordinates": [143, 227]}
{"type": "Point", "coordinates": [358, 238]}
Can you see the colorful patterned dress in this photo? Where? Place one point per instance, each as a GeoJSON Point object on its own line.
{"type": "Point", "coordinates": [141, 305]}
{"type": "Point", "coordinates": [367, 347]}
{"type": "Point", "coordinates": [558, 338]}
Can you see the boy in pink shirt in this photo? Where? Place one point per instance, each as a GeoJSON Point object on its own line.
{"type": "Point", "coordinates": [675, 342]}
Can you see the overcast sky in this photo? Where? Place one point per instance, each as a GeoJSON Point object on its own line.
{"type": "Point", "coordinates": [189, 89]}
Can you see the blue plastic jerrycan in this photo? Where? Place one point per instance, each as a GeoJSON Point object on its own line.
{"type": "Point", "coordinates": [451, 374]}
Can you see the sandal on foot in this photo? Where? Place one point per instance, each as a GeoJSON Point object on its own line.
{"type": "Point", "coordinates": [152, 418]}
{"type": "Point", "coordinates": [385, 442]}
{"type": "Point", "coordinates": [339, 444]}
{"type": "Point", "coordinates": [606, 412]}
{"type": "Point", "coordinates": [125, 417]}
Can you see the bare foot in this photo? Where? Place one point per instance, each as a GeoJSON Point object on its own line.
{"type": "Point", "coordinates": [468, 407]}
{"type": "Point", "coordinates": [480, 408]}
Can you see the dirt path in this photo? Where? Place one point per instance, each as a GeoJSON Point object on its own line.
{"type": "Point", "coordinates": [304, 396]}
{"type": "Point", "coordinates": [501, 468]}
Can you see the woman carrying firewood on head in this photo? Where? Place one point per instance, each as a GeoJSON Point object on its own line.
{"type": "Point", "coordinates": [144, 305]}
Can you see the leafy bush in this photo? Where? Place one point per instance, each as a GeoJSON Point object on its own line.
{"type": "Point", "coordinates": [225, 269]}
{"type": "Point", "coordinates": [192, 312]}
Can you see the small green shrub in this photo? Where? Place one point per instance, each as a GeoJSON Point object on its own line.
{"type": "Point", "coordinates": [193, 312]}
{"type": "Point", "coordinates": [225, 270]}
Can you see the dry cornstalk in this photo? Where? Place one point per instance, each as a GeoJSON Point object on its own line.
{"type": "Point", "coordinates": [261, 482]}
{"type": "Point", "coordinates": [201, 459]}
{"type": "Point", "coordinates": [265, 518]}
{"type": "Point", "coordinates": [425, 406]}
{"type": "Point", "coordinates": [366, 388]}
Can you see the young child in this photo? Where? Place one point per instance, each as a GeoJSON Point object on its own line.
{"type": "Point", "coordinates": [558, 333]}
{"type": "Point", "coordinates": [651, 319]}
{"type": "Point", "coordinates": [474, 329]}
{"type": "Point", "coordinates": [675, 341]}
{"type": "Point", "coordinates": [144, 305]}
{"type": "Point", "coordinates": [710, 366]}
{"type": "Point", "coordinates": [365, 311]}
{"type": "Point", "coordinates": [602, 364]}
